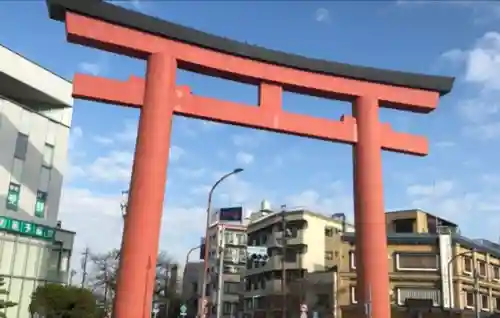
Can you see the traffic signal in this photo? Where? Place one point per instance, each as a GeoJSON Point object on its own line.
{"type": "Point", "coordinates": [258, 254]}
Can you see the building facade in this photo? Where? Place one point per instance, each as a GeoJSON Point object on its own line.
{"type": "Point", "coordinates": [434, 262]}
{"type": "Point", "coordinates": [230, 239]}
{"type": "Point", "coordinates": [35, 120]}
{"type": "Point", "coordinates": [305, 252]}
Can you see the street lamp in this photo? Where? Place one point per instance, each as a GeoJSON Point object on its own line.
{"type": "Point", "coordinates": [185, 267]}
{"type": "Point", "coordinates": [201, 306]}
{"type": "Point", "coordinates": [124, 203]}
{"type": "Point", "coordinates": [476, 281]}
{"type": "Point", "coordinates": [123, 209]}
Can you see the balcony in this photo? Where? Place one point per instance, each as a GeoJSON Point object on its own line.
{"type": "Point", "coordinates": [275, 239]}
{"type": "Point", "coordinates": [274, 263]}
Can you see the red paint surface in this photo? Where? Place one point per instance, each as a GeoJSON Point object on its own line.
{"type": "Point", "coordinates": [137, 271]}
{"type": "Point", "coordinates": [159, 99]}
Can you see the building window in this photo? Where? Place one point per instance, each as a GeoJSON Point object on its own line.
{"type": "Point", "coordinates": [43, 182]}
{"type": "Point", "coordinates": [231, 288]}
{"type": "Point", "coordinates": [352, 260]}
{"type": "Point", "coordinates": [229, 237]}
{"type": "Point", "coordinates": [21, 146]}
{"type": "Point", "coordinates": [418, 293]}
{"type": "Point", "coordinates": [497, 303]}
{"type": "Point", "coordinates": [417, 262]}
{"type": "Point", "coordinates": [481, 268]}
{"type": "Point", "coordinates": [17, 170]}
{"type": "Point", "coordinates": [249, 303]}
{"type": "Point", "coordinates": [242, 238]}
{"type": "Point", "coordinates": [329, 231]}
{"type": "Point", "coordinates": [13, 196]}
{"type": "Point", "coordinates": [48, 155]}
{"type": "Point", "coordinates": [495, 272]}
{"type": "Point", "coordinates": [328, 255]}
{"type": "Point", "coordinates": [469, 299]}
{"type": "Point", "coordinates": [485, 302]}
{"type": "Point", "coordinates": [354, 300]}
{"type": "Point", "coordinates": [467, 264]}
{"type": "Point", "coordinates": [41, 199]}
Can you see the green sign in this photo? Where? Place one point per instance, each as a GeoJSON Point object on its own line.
{"type": "Point", "coordinates": [41, 198]}
{"type": "Point", "coordinates": [13, 196]}
{"type": "Point", "coordinates": [26, 228]}
{"type": "Point", "coordinates": [183, 310]}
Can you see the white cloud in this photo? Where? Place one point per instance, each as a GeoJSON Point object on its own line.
{"type": "Point", "coordinates": [445, 144]}
{"type": "Point", "coordinates": [438, 189]}
{"type": "Point", "coordinates": [247, 140]}
{"type": "Point", "coordinates": [336, 199]}
{"type": "Point", "coordinates": [103, 140]}
{"type": "Point", "coordinates": [322, 15]}
{"type": "Point", "coordinates": [113, 167]}
{"type": "Point", "coordinates": [97, 219]}
{"type": "Point", "coordinates": [193, 173]}
{"type": "Point", "coordinates": [75, 135]}
{"type": "Point", "coordinates": [450, 200]}
{"type": "Point", "coordinates": [176, 153]}
{"type": "Point", "coordinates": [481, 63]}
{"type": "Point", "coordinates": [244, 158]}
{"type": "Point", "coordinates": [91, 68]}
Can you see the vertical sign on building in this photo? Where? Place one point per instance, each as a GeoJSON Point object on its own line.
{"type": "Point", "coordinates": [41, 198]}
{"type": "Point", "coordinates": [13, 196]}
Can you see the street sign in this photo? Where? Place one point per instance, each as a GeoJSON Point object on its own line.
{"type": "Point", "coordinates": [183, 310]}
{"type": "Point", "coordinates": [258, 250]}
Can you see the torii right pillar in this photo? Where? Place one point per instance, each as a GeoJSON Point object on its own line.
{"type": "Point", "coordinates": [372, 268]}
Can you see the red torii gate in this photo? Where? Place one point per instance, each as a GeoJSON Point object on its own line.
{"type": "Point", "coordinates": [167, 46]}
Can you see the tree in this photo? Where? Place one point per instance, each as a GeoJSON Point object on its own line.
{"type": "Point", "coordinates": [59, 301]}
{"type": "Point", "coordinates": [4, 303]}
{"type": "Point", "coordinates": [104, 272]}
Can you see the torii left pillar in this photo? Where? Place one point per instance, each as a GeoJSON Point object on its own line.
{"type": "Point", "coordinates": [141, 233]}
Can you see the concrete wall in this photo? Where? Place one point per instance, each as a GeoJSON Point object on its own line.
{"type": "Point", "coordinates": [51, 129]}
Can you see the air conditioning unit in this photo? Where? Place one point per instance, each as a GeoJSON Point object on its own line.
{"type": "Point", "coordinates": [232, 269]}
{"type": "Point", "coordinates": [243, 257]}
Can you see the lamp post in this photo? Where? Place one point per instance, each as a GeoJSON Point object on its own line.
{"type": "Point", "coordinates": [476, 281]}
{"type": "Point", "coordinates": [284, 241]}
{"type": "Point", "coordinates": [201, 305]}
{"type": "Point", "coordinates": [123, 209]}
{"type": "Point", "coordinates": [185, 269]}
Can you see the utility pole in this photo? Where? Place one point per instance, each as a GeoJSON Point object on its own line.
{"type": "Point", "coordinates": [106, 283]}
{"type": "Point", "coordinates": [72, 274]}
{"type": "Point", "coordinates": [477, 303]}
{"type": "Point", "coordinates": [283, 263]}
{"type": "Point", "coordinates": [85, 259]}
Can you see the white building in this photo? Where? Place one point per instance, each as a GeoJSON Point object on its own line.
{"type": "Point", "coordinates": [35, 119]}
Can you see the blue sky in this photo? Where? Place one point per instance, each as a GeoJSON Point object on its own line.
{"type": "Point", "coordinates": [458, 180]}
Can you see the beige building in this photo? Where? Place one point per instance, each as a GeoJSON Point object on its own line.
{"type": "Point", "coordinates": [321, 267]}
{"type": "Point", "coordinates": [306, 246]}
{"type": "Point", "coordinates": [35, 120]}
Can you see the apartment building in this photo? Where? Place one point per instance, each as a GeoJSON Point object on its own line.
{"type": "Point", "coordinates": [305, 253]}
{"type": "Point", "coordinates": [428, 259]}
{"type": "Point", "coordinates": [191, 286]}
{"type": "Point", "coordinates": [233, 238]}
{"type": "Point", "coordinates": [433, 262]}
{"type": "Point", "coordinates": [35, 119]}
